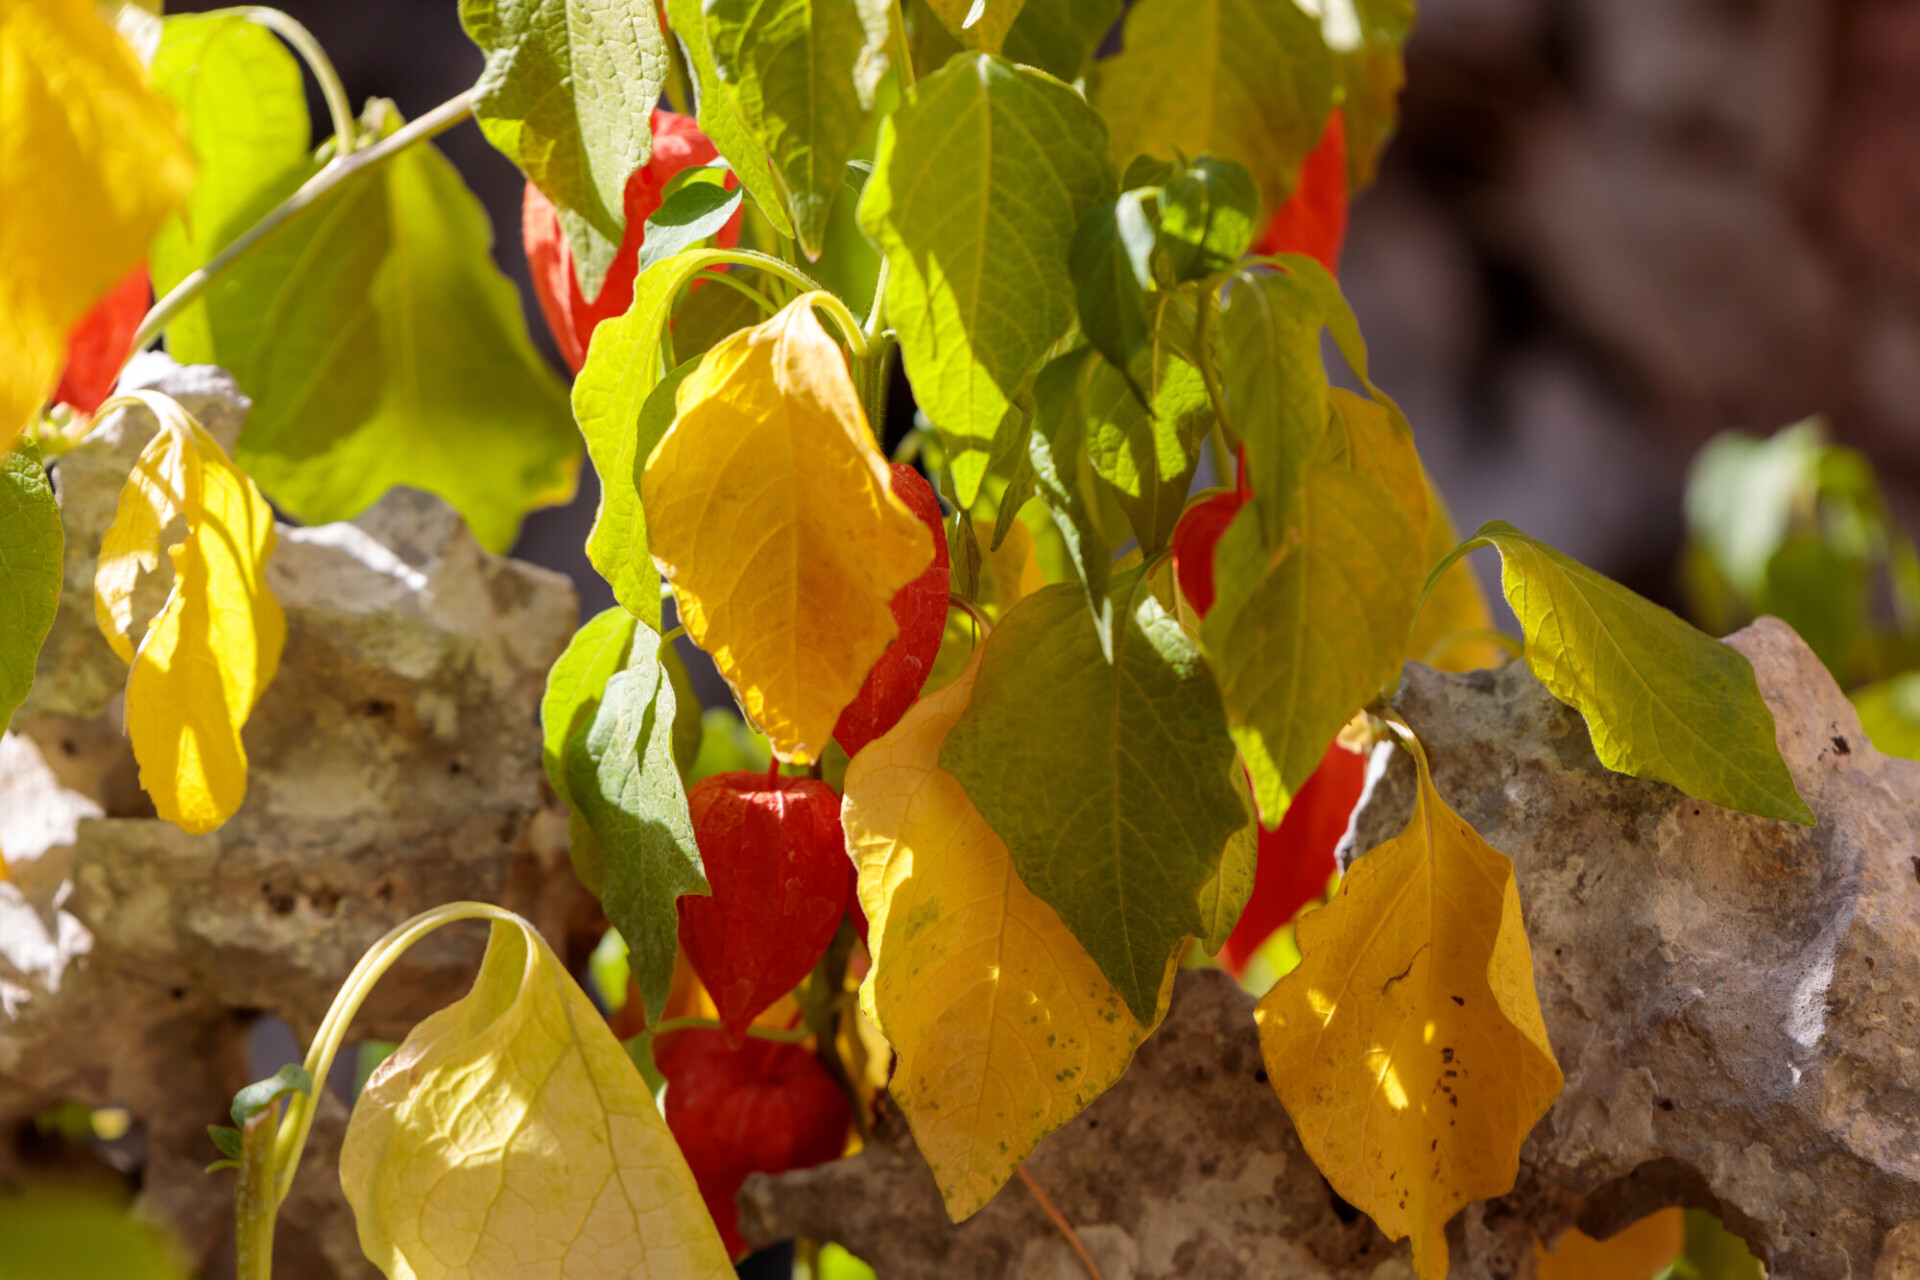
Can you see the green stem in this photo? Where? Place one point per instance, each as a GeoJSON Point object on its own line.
{"type": "Point", "coordinates": [345, 132]}
{"type": "Point", "coordinates": [292, 1136]}
{"type": "Point", "coordinates": [432, 124]}
{"type": "Point", "coordinates": [254, 1203]}
{"type": "Point", "coordinates": [721, 277]}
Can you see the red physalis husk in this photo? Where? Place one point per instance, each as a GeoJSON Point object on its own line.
{"type": "Point", "coordinates": [101, 342]}
{"type": "Point", "coordinates": [571, 315]}
{"type": "Point", "coordinates": [759, 1107]}
{"type": "Point", "coordinates": [1314, 219]}
{"type": "Point", "coordinates": [1296, 858]}
{"type": "Point", "coordinates": [1198, 532]}
{"type": "Point", "coordinates": [777, 860]}
{"type": "Point", "coordinates": [920, 610]}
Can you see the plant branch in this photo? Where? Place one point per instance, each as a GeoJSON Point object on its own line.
{"type": "Point", "coordinates": [345, 131]}
{"type": "Point", "coordinates": [432, 124]}
{"type": "Point", "coordinates": [1052, 1211]}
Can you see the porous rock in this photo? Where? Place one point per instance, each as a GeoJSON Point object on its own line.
{"type": "Point", "coordinates": [394, 765]}
{"type": "Point", "coordinates": [1735, 1002]}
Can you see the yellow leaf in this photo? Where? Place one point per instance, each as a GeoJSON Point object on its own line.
{"type": "Point", "coordinates": [1004, 1026]}
{"type": "Point", "coordinates": [510, 1135]}
{"type": "Point", "coordinates": [1408, 1046]}
{"type": "Point", "coordinates": [90, 163]}
{"type": "Point", "coordinates": [1457, 607]}
{"type": "Point", "coordinates": [1639, 1252]}
{"type": "Point", "coordinates": [215, 645]}
{"type": "Point", "coordinates": [772, 514]}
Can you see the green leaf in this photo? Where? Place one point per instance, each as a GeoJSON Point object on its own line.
{"type": "Point", "coordinates": [983, 176]}
{"type": "Point", "coordinates": [1274, 381]}
{"type": "Point", "coordinates": [980, 25]}
{"type": "Point", "coordinates": [51, 1230]}
{"type": "Point", "coordinates": [689, 727]}
{"type": "Point", "coordinates": [1245, 80]}
{"type": "Point", "coordinates": [801, 75]}
{"type": "Point", "coordinates": [238, 90]}
{"type": "Point", "coordinates": [618, 387]}
{"type": "Point", "coordinates": [1110, 784]}
{"type": "Point", "coordinates": [31, 546]}
{"type": "Point", "coordinates": [1059, 36]}
{"type": "Point", "coordinates": [226, 1140]}
{"type": "Point", "coordinates": [509, 1134]}
{"type": "Point", "coordinates": [1303, 637]}
{"type": "Point", "coordinates": [688, 216]}
{"type": "Point", "coordinates": [261, 1094]}
{"type": "Point", "coordinates": [1662, 700]}
{"type": "Point", "coordinates": [1368, 39]}
{"type": "Point", "coordinates": [1207, 211]}
{"type": "Point", "coordinates": [1111, 259]}
{"type": "Point", "coordinates": [1224, 897]}
{"type": "Point", "coordinates": [720, 119]}
{"type": "Point", "coordinates": [382, 347]}
{"type": "Point", "coordinates": [1890, 714]}
{"type": "Point", "coordinates": [622, 777]}
{"type": "Point", "coordinates": [575, 685]}
{"type": "Point", "coordinates": [567, 94]}
{"type": "Point", "coordinates": [1065, 479]}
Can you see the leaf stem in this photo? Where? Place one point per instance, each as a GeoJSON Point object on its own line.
{"type": "Point", "coordinates": [722, 277]}
{"type": "Point", "coordinates": [1060, 1222]}
{"type": "Point", "coordinates": [432, 124]}
{"type": "Point", "coordinates": [972, 610]}
{"type": "Point", "coordinates": [345, 133]}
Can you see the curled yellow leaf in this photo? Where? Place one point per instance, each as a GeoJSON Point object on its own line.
{"type": "Point", "coordinates": [91, 161]}
{"type": "Point", "coordinates": [215, 645]}
{"type": "Point", "coordinates": [1004, 1026]}
{"type": "Point", "coordinates": [1408, 1046]}
{"type": "Point", "coordinates": [510, 1135]}
{"type": "Point", "coordinates": [772, 514]}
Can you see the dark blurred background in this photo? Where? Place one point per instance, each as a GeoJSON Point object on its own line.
{"type": "Point", "coordinates": [1607, 230]}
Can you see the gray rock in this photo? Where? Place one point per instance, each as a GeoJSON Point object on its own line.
{"type": "Point", "coordinates": [394, 765]}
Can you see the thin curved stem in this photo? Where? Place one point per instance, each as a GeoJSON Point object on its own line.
{"type": "Point", "coordinates": [842, 314]}
{"type": "Point", "coordinates": [345, 129]}
{"type": "Point", "coordinates": [294, 1127]}
{"type": "Point", "coordinates": [1060, 1222]}
{"type": "Point", "coordinates": [972, 610]}
{"type": "Point", "coordinates": [740, 286]}
{"type": "Point", "coordinates": [1488, 635]}
{"type": "Point", "coordinates": [432, 124]}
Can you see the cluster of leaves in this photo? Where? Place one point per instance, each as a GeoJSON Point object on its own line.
{"type": "Point", "coordinates": [1796, 526]}
{"type": "Point", "coordinates": [1102, 277]}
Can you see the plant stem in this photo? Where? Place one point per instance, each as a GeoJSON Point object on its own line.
{"type": "Point", "coordinates": [432, 124]}
{"type": "Point", "coordinates": [1059, 1220]}
{"type": "Point", "coordinates": [721, 277]}
{"type": "Point", "coordinates": [254, 1201]}
{"type": "Point", "coordinates": [345, 132]}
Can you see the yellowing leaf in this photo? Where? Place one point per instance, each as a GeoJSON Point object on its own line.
{"type": "Point", "coordinates": [1408, 1046]}
{"type": "Point", "coordinates": [510, 1135]}
{"type": "Point", "coordinates": [1005, 1027]}
{"type": "Point", "coordinates": [772, 514]}
{"type": "Point", "coordinates": [1639, 1252]}
{"type": "Point", "coordinates": [90, 162]}
{"type": "Point", "coordinates": [214, 646]}
{"type": "Point", "coordinates": [1444, 635]}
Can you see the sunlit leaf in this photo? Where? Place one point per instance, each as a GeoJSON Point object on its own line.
{"type": "Point", "coordinates": [966, 958]}
{"type": "Point", "coordinates": [802, 76]}
{"type": "Point", "coordinates": [381, 346]}
{"type": "Point", "coordinates": [623, 780]}
{"type": "Point", "coordinates": [983, 176]}
{"type": "Point", "coordinates": [31, 545]}
{"type": "Point", "coordinates": [560, 1166]}
{"type": "Point", "coordinates": [1661, 699]}
{"type": "Point", "coordinates": [772, 515]}
{"type": "Point", "coordinates": [720, 119]}
{"type": "Point", "coordinates": [1408, 1046]}
{"type": "Point", "coordinates": [1112, 784]}
{"type": "Point", "coordinates": [575, 684]}
{"type": "Point", "coordinates": [238, 89]}
{"type": "Point", "coordinates": [566, 94]}
{"type": "Point", "coordinates": [90, 162]}
{"type": "Point", "coordinates": [1240, 79]}
{"type": "Point", "coordinates": [210, 653]}
{"type": "Point", "coordinates": [623, 370]}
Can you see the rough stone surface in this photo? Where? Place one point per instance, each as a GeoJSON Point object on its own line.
{"type": "Point", "coordinates": [1735, 1002]}
{"type": "Point", "coordinates": [394, 766]}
